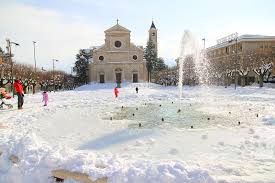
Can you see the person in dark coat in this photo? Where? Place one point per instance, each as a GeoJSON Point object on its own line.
{"type": "Point", "coordinates": [20, 94]}
{"type": "Point", "coordinates": [136, 89]}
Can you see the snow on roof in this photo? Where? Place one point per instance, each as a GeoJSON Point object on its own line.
{"type": "Point", "coordinates": [90, 60]}
{"type": "Point", "coordinates": [244, 37]}
{"type": "Point", "coordinates": [87, 51]}
{"type": "Point", "coordinates": [139, 47]}
{"type": "Point", "coordinates": [255, 36]}
{"type": "Point", "coordinates": [96, 47]}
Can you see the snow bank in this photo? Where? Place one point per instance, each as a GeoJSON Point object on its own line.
{"type": "Point", "coordinates": [38, 159]}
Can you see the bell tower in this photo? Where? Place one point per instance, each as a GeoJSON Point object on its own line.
{"type": "Point", "coordinates": [153, 35]}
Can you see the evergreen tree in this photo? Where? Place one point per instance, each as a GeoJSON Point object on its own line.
{"type": "Point", "coordinates": [81, 67]}
{"type": "Point", "coordinates": [159, 65]}
{"type": "Point", "coordinates": [151, 58]}
{"type": "Point", "coordinates": [1, 56]}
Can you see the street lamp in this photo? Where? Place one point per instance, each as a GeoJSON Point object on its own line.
{"type": "Point", "coordinates": [203, 43]}
{"type": "Point", "coordinates": [54, 60]}
{"type": "Point", "coordinates": [34, 56]}
{"type": "Point", "coordinates": [9, 43]}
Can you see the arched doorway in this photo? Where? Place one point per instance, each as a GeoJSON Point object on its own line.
{"type": "Point", "coordinates": [135, 76]}
{"type": "Point", "coordinates": [101, 77]}
{"type": "Point", "coordinates": [118, 74]}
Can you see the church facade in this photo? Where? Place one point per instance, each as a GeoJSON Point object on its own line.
{"type": "Point", "coordinates": [118, 59]}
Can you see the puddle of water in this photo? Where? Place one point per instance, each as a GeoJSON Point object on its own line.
{"type": "Point", "coordinates": [166, 115]}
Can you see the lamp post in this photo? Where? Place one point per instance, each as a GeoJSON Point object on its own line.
{"type": "Point", "coordinates": [9, 43]}
{"type": "Point", "coordinates": [54, 60]}
{"type": "Point", "coordinates": [34, 56]}
{"type": "Point", "coordinates": [203, 43]}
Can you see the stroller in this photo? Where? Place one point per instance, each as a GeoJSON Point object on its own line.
{"type": "Point", "coordinates": [4, 95]}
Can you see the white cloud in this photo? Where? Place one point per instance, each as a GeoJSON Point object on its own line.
{"type": "Point", "coordinates": [57, 37]}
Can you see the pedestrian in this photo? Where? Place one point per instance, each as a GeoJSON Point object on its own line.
{"type": "Point", "coordinates": [116, 92]}
{"type": "Point", "coordinates": [136, 89]}
{"type": "Point", "coordinates": [45, 98]}
{"type": "Point", "coordinates": [20, 94]}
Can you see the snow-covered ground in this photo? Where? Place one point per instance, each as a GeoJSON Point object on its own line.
{"type": "Point", "coordinates": [88, 130]}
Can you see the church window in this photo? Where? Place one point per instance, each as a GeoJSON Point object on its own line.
{"type": "Point", "coordinates": [134, 57]}
{"type": "Point", "coordinates": [118, 44]}
{"type": "Point", "coordinates": [101, 58]}
{"type": "Point", "coordinates": [153, 34]}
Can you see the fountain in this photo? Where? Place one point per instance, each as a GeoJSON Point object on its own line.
{"type": "Point", "coordinates": [191, 51]}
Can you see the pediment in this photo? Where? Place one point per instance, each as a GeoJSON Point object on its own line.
{"type": "Point", "coordinates": [117, 28]}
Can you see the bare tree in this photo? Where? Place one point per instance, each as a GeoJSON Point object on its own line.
{"type": "Point", "coordinates": [246, 66]}
{"type": "Point", "coordinates": [189, 71]}
{"type": "Point", "coordinates": [261, 65]}
{"type": "Point", "coordinates": [217, 70]}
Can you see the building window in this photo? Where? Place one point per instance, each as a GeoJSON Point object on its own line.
{"type": "Point", "coordinates": [135, 57]}
{"type": "Point", "coordinates": [101, 58]}
{"type": "Point", "coordinates": [261, 46]}
{"type": "Point", "coordinates": [227, 50]}
{"type": "Point", "coordinates": [153, 34]}
{"type": "Point", "coordinates": [118, 44]}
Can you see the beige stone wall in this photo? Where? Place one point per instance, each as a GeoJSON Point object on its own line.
{"type": "Point", "coordinates": [108, 70]}
{"type": "Point", "coordinates": [118, 58]}
{"type": "Point", "coordinates": [112, 37]}
{"type": "Point", "coordinates": [222, 53]}
{"type": "Point", "coordinates": [153, 35]}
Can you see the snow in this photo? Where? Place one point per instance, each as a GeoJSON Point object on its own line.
{"type": "Point", "coordinates": [269, 120]}
{"type": "Point", "coordinates": [75, 133]}
{"type": "Point", "coordinates": [251, 36]}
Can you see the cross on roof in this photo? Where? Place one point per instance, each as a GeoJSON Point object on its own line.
{"type": "Point", "coordinates": [117, 21]}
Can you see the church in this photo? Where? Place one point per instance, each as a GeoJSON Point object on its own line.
{"type": "Point", "coordinates": [118, 59]}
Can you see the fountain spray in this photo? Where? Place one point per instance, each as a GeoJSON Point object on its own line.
{"type": "Point", "coordinates": [189, 47]}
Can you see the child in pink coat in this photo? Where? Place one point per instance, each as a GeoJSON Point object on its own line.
{"type": "Point", "coordinates": [45, 98]}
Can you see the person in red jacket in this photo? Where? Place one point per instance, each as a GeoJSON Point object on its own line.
{"type": "Point", "coordinates": [116, 91]}
{"type": "Point", "coordinates": [19, 91]}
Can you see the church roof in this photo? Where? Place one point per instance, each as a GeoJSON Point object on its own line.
{"type": "Point", "coordinates": [117, 27]}
{"type": "Point", "coordinates": [153, 25]}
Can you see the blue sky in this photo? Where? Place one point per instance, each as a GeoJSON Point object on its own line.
{"type": "Point", "coordinates": [61, 27]}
